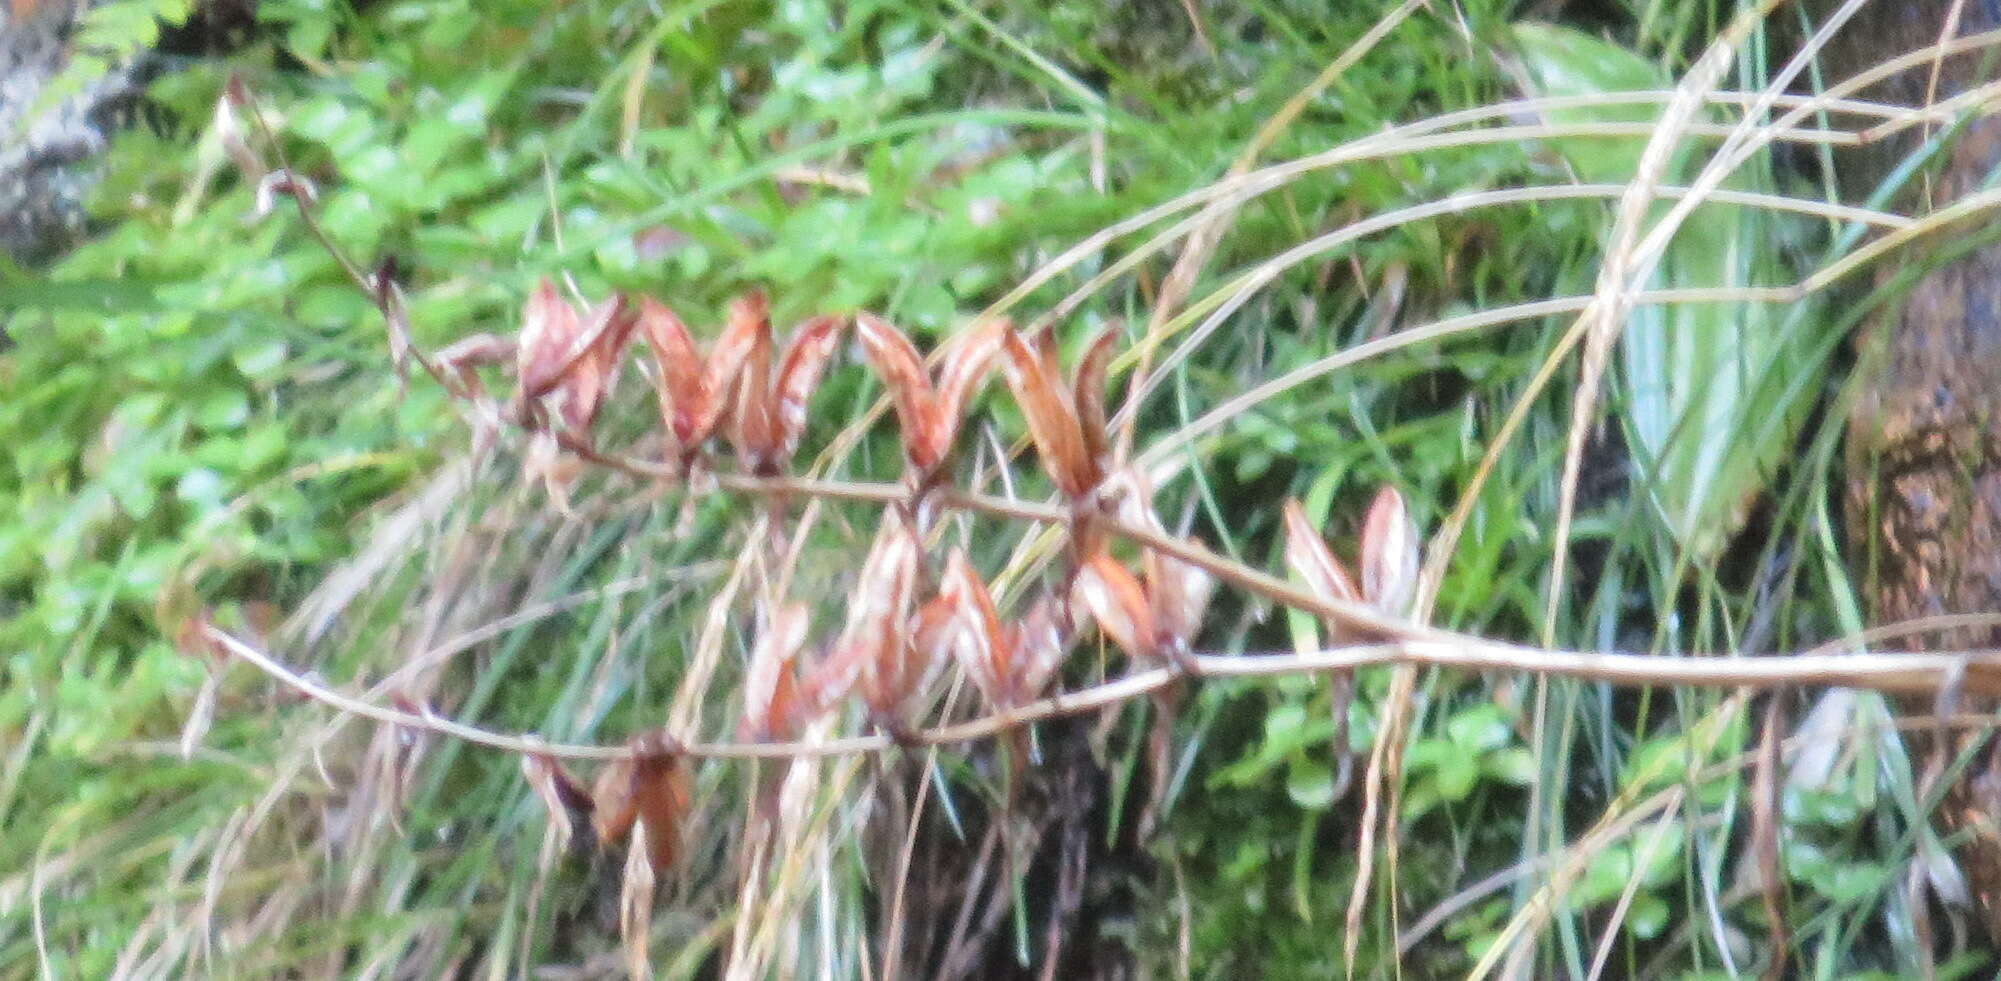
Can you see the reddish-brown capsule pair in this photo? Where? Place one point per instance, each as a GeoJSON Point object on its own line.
{"type": "Point", "coordinates": [647, 787]}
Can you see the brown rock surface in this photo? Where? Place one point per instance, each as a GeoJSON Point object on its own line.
{"type": "Point", "coordinates": [1924, 460]}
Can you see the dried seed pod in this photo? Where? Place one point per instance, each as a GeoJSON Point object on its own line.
{"type": "Point", "coordinates": [772, 393]}
{"type": "Point", "coordinates": [1088, 395]}
{"type": "Point", "coordinates": [1389, 554]}
{"type": "Point", "coordinates": [774, 707]}
{"type": "Point", "coordinates": [459, 358]}
{"type": "Point", "coordinates": [960, 376]}
{"type": "Point", "coordinates": [193, 640]}
{"type": "Point", "coordinates": [660, 797]}
{"type": "Point", "coordinates": [229, 131]}
{"type": "Point", "coordinates": [878, 626]}
{"type": "Point", "coordinates": [1039, 646]}
{"type": "Point", "coordinates": [685, 402]}
{"type": "Point", "coordinates": [283, 182]}
{"type": "Point", "coordinates": [831, 678]}
{"type": "Point", "coordinates": [549, 328]}
{"type": "Point", "coordinates": [694, 393]}
{"type": "Point", "coordinates": [566, 801]}
{"type": "Point", "coordinates": [1325, 577]}
{"type": "Point", "coordinates": [754, 425]}
{"type": "Point", "coordinates": [544, 462]}
{"type": "Point", "coordinates": [605, 333]}
{"type": "Point", "coordinates": [929, 416]}
{"type": "Point", "coordinates": [648, 785]}
{"type": "Point", "coordinates": [1178, 594]}
{"type": "Point", "coordinates": [1315, 563]}
{"type": "Point", "coordinates": [1051, 413]}
{"type": "Point", "coordinates": [806, 357]}
{"type": "Point", "coordinates": [615, 807]}
{"type": "Point", "coordinates": [1119, 605]}
{"type": "Point", "coordinates": [981, 645]}
{"type": "Point", "coordinates": [1009, 663]}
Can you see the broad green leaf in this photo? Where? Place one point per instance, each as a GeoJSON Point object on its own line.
{"type": "Point", "coordinates": [1714, 392]}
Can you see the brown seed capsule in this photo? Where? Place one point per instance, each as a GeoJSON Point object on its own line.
{"type": "Point", "coordinates": [929, 415]}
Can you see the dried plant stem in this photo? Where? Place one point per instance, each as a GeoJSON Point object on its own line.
{"type": "Point", "coordinates": [1906, 673]}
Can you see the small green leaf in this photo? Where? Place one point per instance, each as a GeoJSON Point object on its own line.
{"type": "Point", "coordinates": [1310, 784]}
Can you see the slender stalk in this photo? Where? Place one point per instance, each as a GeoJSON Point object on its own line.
{"type": "Point", "coordinates": [1980, 671]}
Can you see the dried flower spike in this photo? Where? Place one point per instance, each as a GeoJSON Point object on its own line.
{"type": "Point", "coordinates": [929, 415]}
{"type": "Point", "coordinates": [772, 393]}
{"type": "Point", "coordinates": [1067, 423]}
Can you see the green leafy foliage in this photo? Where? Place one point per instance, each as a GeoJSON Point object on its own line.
{"type": "Point", "coordinates": [199, 404]}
